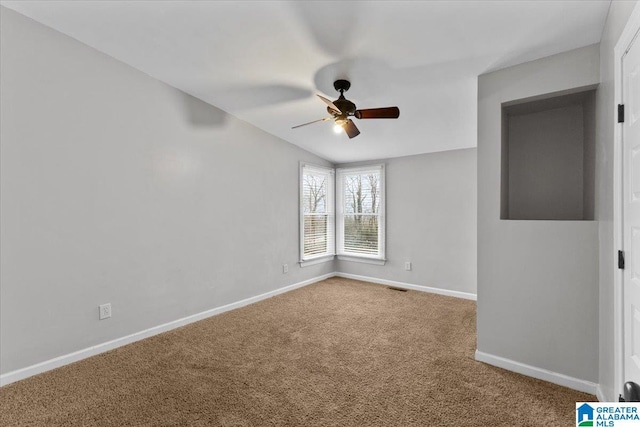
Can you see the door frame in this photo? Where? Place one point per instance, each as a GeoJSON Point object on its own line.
{"type": "Point", "coordinates": [631, 30]}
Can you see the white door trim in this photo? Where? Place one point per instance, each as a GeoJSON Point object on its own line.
{"type": "Point", "coordinates": [624, 42]}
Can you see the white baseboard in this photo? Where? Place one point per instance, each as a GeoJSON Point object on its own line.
{"type": "Point", "coordinates": [511, 365]}
{"type": "Point", "coordinates": [600, 395]}
{"type": "Point", "coordinates": [539, 373]}
{"type": "Point", "coordinates": [66, 359]}
{"type": "Point", "coordinates": [403, 285]}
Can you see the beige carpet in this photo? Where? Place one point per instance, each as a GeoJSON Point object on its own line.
{"type": "Point", "coordinates": [339, 352]}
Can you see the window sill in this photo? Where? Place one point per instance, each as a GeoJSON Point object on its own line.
{"type": "Point", "coordinates": [365, 260]}
{"type": "Point", "coordinates": [315, 261]}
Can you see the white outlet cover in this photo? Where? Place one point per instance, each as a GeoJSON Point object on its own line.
{"type": "Point", "coordinates": [104, 311]}
{"type": "Point", "coordinates": [407, 266]}
{"type": "Point", "coordinates": [285, 268]}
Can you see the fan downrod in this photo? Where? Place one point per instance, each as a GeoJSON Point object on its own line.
{"type": "Point", "coordinates": [342, 85]}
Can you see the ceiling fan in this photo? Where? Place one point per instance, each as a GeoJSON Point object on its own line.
{"type": "Point", "coordinates": [341, 109]}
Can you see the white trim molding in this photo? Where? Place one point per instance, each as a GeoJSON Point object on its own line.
{"type": "Point", "coordinates": [600, 394]}
{"type": "Point", "coordinates": [329, 212]}
{"type": "Point", "coordinates": [539, 373]}
{"type": "Point", "coordinates": [343, 254]}
{"type": "Point", "coordinates": [623, 44]}
{"type": "Point", "coordinates": [440, 291]}
{"type": "Point", "coordinates": [364, 260]}
{"type": "Point", "coordinates": [66, 359]}
{"type": "Point", "coordinates": [315, 261]}
{"type": "Point", "coordinates": [500, 362]}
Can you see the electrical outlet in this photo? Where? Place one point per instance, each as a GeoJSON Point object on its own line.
{"type": "Point", "coordinates": [285, 268]}
{"type": "Point", "coordinates": [407, 266]}
{"type": "Point", "coordinates": [105, 311]}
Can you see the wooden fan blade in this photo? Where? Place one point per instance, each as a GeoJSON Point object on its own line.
{"type": "Point", "coordinates": [351, 129]}
{"type": "Point", "coordinates": [315, 121]}
{"type": "Point", "coordinates": [329, 103]}
{"type": "Point", "coordinates": [378, 113]}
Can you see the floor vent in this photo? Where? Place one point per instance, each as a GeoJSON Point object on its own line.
{"type": "Point", "coordinates": [397, 289]}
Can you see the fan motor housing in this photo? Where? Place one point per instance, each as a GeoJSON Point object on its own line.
{"type": "Point", "coordinates": [347, 107]}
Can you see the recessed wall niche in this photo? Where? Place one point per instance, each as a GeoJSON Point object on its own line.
{"type": "Point", "coordinates": [548, 158]}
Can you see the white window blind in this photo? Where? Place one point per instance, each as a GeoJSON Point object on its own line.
{"type": "Point", "coordinates": [317, 220]}
{"type": "Point", "coordinates": [360, 212]}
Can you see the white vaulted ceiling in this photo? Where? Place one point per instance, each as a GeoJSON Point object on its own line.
{"type": "Point", "coordinates": [263, 61]}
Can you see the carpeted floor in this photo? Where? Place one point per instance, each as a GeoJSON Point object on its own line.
{"type": "Point", "coordinates": [336, 353]}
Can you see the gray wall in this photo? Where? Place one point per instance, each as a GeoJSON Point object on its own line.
{"type": "Point", "coordinates": [546, 166]}
{"type": "Point", "coordinates": [430, 221]}
{"type": "Point", "coordinates": [618, 16]}
{"type": "Point", "coordinates": [537, 280]}
{"type": "Point", "coordinates": [118, 188]}
{"type": "Point", "coordinates": [548, 160]}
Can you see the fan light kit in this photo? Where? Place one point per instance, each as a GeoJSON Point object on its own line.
{"type": "Point", "coordinates": [341, 109]}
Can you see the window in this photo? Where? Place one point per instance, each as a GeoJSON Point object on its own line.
{"type": "Point", "coordinates": [360, 214]}
{"type": "Point", "coordinates": [317, 218]}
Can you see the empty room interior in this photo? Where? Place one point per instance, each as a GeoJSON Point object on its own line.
{"type": "Point", "coordinates": [355, 213]}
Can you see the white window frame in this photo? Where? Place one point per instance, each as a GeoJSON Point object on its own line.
{"type": "Point", "coordinates": [330, 206]}
{"type": "Point", "coordinates": [378, 259]}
